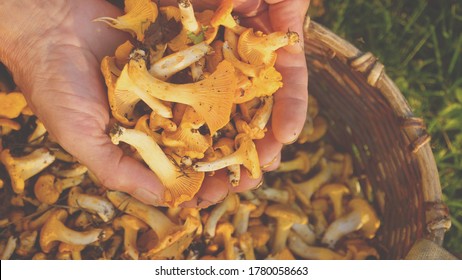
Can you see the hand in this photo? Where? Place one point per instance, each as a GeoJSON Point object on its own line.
{"type": "Point", "coordinates": [290, 102]}
{"type": "Point", "coordinates": [54, 51]}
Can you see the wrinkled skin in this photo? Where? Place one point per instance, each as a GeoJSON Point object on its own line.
{"type": "Point", "coordinates": [53, 50]}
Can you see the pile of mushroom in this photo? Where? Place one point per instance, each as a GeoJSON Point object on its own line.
{"type": "Point", "coordinates": [52, 207]}
{"type": "Point", "coordinates": [191, 98]}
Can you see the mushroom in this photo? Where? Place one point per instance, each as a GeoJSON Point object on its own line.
{"type": "Point", "coordinates": [122, 54]}
{"type": "Point", "coordinates": [73, 250]}
{"type": "Point", "coordinates": [308, 252]}
{"type": "Point", "coordinates": [11, 104]}
{"type": "Point", "coordinates": [257, 127]}
{"type": "Point", "coordinates": [286, 217]}
{"type": "Point", "coordinates": [223, 233]}
{"type": "Point", "coordinates": [261, 49]}
{"type": "Point", "coordinates": [115, 243]}
{"type": "Point", "coordinates": [175, 62]}
{"type": "Point", "coordinates": [226, 147]}
{"type": "Point", "coordinates": [157, 122]}
{"type": "Point", "coordinates": [284, 254]}
{"type": "Point", "coordinates": [335, 193]}
{"type": "Point", "coordinates": [311, 135]}
{"type": "Point", "coordinates": [222, 16]}
{"type": "Point", "coordinates": [181, 185]}
{"type": "Point", "coordinates": [168, 233]}
{"type": "Point", "coordinates": [74, 171]}
{"type": "Point", "coordinates": [215, 57]}
{"type": "Point", "coordinates": [260, 237]}
{"type": "Point", "coordinates": [47, 188]}
{"type": "Point", "coordinates": [7, 125]}
{"type": "Point", "coordinates": [342, 166]}
{"type": "Point", "coordinates": [305, 232]}
{"type": "Point", "coordinates": [246, 245]}
{"type": "Point", "coordinates": [22, 168]}
{"type": "Point", "coordinates": [9, 248]}
{"type": "Point", "coordinates": [40, 256]}
{"type": "Point", "coordinates": [246, 154]}
{"type": "Point", "coordinates": [130, 226]}
{"type": "Point", "coordinates": [38, 134]}
{"type": "Point", "coordinates": [91, 203]}
{"type": "Point", "coordinates": [26, 245]}
{"type": "Point", "coordinates": [54, 230]}
{"type": "Point", "coordinates": [229, 205]}
{"type": "Point", "coordinates": [302, 162]}
{"type": "Point", "coordinates": [283, 196]}
{"type": "Point", "coordinates": [139, 14]}
{"type": "Point", "coordinates": [318, 209]}
{"type": "Point", "coordinates": [144, 125]}
{"type": "Point", "coordinates": [362, 217]}
{"type": "Point", "coordinates": [247, 69]}
{"type": "Point", "coordinates": [123, 96]}
{"type": "Point", "coordinates": [212, 98]}
{"type": "Point", "coordinates": [305, 190]}
{"type": "Point", "coordinates": [360, 250]}
{"type": "Point", "coordinates": [241, 218]}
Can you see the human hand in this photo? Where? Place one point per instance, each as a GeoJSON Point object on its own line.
{"type": "Point", "coordinates": [290, 102]}
{"type": "Point", "coordinates": [53, 50]}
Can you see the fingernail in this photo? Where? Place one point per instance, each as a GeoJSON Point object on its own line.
{"type": "Point", "coordinates": [270, 163]}
{"type": "Point", "coordinates": [257, 185]}
{"type": "Point", "coordinates": [147, 197]}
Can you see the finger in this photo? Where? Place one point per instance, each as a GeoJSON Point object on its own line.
{"type": "Point", "coordinates": [268, 149]}
{"type": "Point", "coordinates": [247, 183]}
{"type": "Point", "coordinates": [288, 15]}
{"type": "Point", "coordinates": [290, 101]}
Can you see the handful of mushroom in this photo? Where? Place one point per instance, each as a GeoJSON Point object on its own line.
{"type": "Point", "coordinates": [191, 91]}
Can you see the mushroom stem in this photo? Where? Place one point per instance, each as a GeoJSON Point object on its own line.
{"type": "Point", "coordinates": [181, 185]}
{"type": "Point", "coordinates": [159, 222]}
{"type": "Point", "coordinates": [9, 248]}
{"type": "Point", "coordinates": [92, 203]}
{"type": "Point", "coordinates": [188, 18]}
{"type": "Point", "coordinates": [301, 249]}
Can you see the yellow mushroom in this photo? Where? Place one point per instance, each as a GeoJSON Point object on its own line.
{"type": "Point", "coordinates": [212, 98]}
{"type": "Point", "coordinates": [175, 62]}
{"type": "Point", "coordinates": [222, 16]}
{"type": "Point", "coordinates": [260, 237]}
{"type": "Point", "coordinates": [11, 104]}
{"type": "Point", "coordinates": [122, 54]}
{"type": "Point", "coordinates": [181, 185]}
{"type": "Point", "coordinates": [126, 94]}
{"type": "Point", "coordinates": [47, 188]}
{"type": "Point", "coordinates": [229, 205]}
{"type": "Point", "coordinates": [73, 250]}
{"type": "Point", "coordinates": [54, 230]}
{"type": "Point", "coordinates": [171, 12]}
{"type": "Point", "coordinates": [26, 246]}
{"type": "Point", "coordinates": [342, 166]}
{"type": "Point", "coordinates": [308, 252]}
{"type": "Point", "coordinates": [284, 254]}
{"type": "Point", "coordinates": [91, 203]}
{"type": "Point", "coordinates": [39, 256]}
{"type": "Point", "coordinates": [246, 154]}
{"type": "Point", "coordinates": [114, 246]}
{"type": "Point", "coordinates": [283, 196]}
{"type": "Point", "coordinates": [310, 135]}
{"type": "Point", "coordinates": [144, 125]}
{"type": "Point", "coordinates": [261, 49]}
{"type": "Point", "coordinates": [301, 162]}
{"type": "Point", "coordinates": [38, 134]}
{"type": "Point", "coordinates": [246, 245]}
{"type": "Point", "coordinates": [139, 14]}
{"type": "Point", "coordinates": [335, 193]}
{"type": "Point", "coordinates": [72, 171]}
{"type": "Point", "coordinates": [22, 168]}
{"type": "Point", "coordinates": [9, 248]}
{"type": "Point", "coordinates": [305, 190]}
{"type": "Point", "coordinates": [197, 70]}
{"type": "Point", "coordinates": [7, 125]}
{"type": "Point", "coordinates": [286, 217]}
{"type": "Point", "coordinates": [360, 250]}
{"type": "Point", "coordinates": [256, 128]}
{"type": "Point", "coordinates": [157, 122]}
{"type": "Point", "coordinates": [248, 70]}
{"type": "Point", "coordinates": [241, 218]}
{"type": "Point", "coordinates": [215, 57]}
{"type": "Point", "coordinates": [362, 217]}
{"type": "Point", "coordinates": [305, 232]}
{"type": "Point", "coordinates": [225, 146]}
{"type": "Point", "coordinates": [131, 226]}
{"type": "Point", "coordinates": [224, 233]}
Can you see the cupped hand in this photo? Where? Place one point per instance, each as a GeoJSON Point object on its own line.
{"type": "Point", "coordinates": [290, 102]}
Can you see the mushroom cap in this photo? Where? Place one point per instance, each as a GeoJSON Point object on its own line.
{"type": "Point", "coordinates": [49, 231]}
{"type": "Point", "coordinates": [372, 225]}
{"type": "Point", "coordinates": [45, 190]}
{"type": "Point", "coordinates": [11, 104]}
{"type": "Point", "coordinates": [333, 189]}
{"type": "Point", "coordinates": [283, 212]}
{"type": "Point", "coordinates": [222, 13]}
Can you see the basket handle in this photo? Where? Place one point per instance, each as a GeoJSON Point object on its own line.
{"type": "Point", "coordinates": [425, 249]}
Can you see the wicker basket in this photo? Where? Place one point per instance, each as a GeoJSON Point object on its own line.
{"type": "Point", "coordinates": [371, 119]}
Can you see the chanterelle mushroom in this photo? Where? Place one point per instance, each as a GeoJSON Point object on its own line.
{"type": "Point", "coordinates": [139, 14]}
{"type": "Point", "coordinates": [181, 185]}
{"type": "Point", "coordinates": [212, 97]}
{"type": "Point", "coordinates": [23, 168]}
{"type": "Point", "coordinates": [285, 217]}
{"type": "Point", "coordinates": [92, 203]}
{"type": "Point", "coordinates": [11, 104]}
{"type": "Point", "coordinates": [54, 230]}
{"type": "Point", "coordinates": [362, 217]}
{"type": "Point", "coordinates": [131, 226]}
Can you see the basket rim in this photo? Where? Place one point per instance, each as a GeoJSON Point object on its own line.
{"type": "Point", "coordinates": [436, 213]}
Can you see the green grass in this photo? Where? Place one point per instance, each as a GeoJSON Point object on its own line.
{"type": "Point", "coordinates": [420, 43]}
